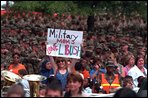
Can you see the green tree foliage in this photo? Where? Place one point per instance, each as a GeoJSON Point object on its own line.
{"type": "Point", "coordinates": [84, 7]}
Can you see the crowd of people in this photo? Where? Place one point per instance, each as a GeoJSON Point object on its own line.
{"type": "Point", "coordinates": [113, 55]}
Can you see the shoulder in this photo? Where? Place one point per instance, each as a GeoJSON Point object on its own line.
{"type": "Point", "coordinates": [10, 65]}
{"type": "Point", "coordinates": [91, 71]}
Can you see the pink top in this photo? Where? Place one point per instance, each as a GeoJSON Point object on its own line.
{"type": "Point", "coordinates": [126, 69]}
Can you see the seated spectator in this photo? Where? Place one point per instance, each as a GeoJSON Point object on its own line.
{"type": "Point", "coordinates": [16, 66]}
{"type": "Point", "coordinates": [138, 70]}
{"type": "Point", "coordinates": [42, 90]}
{"type": "Point", "coordinates": [87, 85]}
{"type": "Point", "coordinates": [143, 88]}
{"type": "Point", "coordinates": [125, 92]}
{"type": "Point", "coordinates": [110, 81]}
{"type": "Point", "coordinates": [16, 90]}
{"type": "Point", "coordinates": [75, 85]}
{"type": "Point", "coordinates": [46, 70]}
{"type": "Point", "coordinates": [97, 88]}
{"type": "Point", "coordinates": [128, 82]}
{"type": "Point", "coordinates": [129, 62]}
{"type": "Point", "coordinates": [54, 89]}
{"type": "Point", "coordinates": [24, 82]}
{"type": "Point", "coordinates": [96, 71]}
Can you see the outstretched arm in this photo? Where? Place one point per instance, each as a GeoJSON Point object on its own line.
{"type": "Point", "coordinates": [53, 64]}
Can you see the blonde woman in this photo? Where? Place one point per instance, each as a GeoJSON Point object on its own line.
{"type": "Point", "coordinates": [129, 62]}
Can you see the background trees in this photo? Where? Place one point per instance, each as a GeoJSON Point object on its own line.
{"type": "Point", "coordinates": [127, 8]}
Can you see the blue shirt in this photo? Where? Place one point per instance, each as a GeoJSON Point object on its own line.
{"type": "Point", "coordinates": [62, 78]}
{"type": "Point", "coordinates": [47, 74]}
{"type": "Point", "coordinates": [101, 70]}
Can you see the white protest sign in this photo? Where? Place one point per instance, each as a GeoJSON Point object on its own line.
{"type": "Point", "coordinates": [64, 43]}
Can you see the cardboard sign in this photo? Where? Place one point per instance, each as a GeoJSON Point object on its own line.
{"type": "Point", "coordinates": [64, 43]}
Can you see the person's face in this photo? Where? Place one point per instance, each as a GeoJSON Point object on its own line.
{"type": "Point", "coordinates": [129, 84]}
{"type": "Point", "coordinates": [48, 65]}
{"type": "Point", "coordinates": [74, 85]}
{"type": "Point", "coordinates": [53, 93]}
{"type": "Point", "coordinates": [16, 59]}
{"type": "Point", "coordinates": [140, 62]}
{"type": "Point", "coordinates": [96, 66]}
{"type": "Point", "coordinates": [125, 48]}
{"type": "Point", "coordinates": [110, 69]}
{"type": "Point", "coordinates": [42, 92]}
{"type": "Point", "coordinates": [62, 63]}
{"type": "Point", "coordinates": [132, 61]}
{"type": "Point", "coordinates": [85, 82]}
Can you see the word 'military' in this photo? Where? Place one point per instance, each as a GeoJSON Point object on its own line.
{"type": "Point", "coordinates": [61, 34]}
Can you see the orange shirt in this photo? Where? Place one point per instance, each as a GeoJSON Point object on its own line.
{"type": "Point", "coordinates": [16, 69]}
{"type": "Point", "coordinates": [85, 74]}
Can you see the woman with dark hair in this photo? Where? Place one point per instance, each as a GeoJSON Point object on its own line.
{"type": "Point", "coordinates": [46, 70]}
{"type": "Point", "coordinates": [140, 64]}
{"type": "Point", "coordinates": [15, 66]}
{"type": "Point", "coordinates": [75, 85]}
{"type": "Point", "coordinates": [138, 70]}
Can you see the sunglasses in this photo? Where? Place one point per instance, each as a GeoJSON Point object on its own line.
{"type": "Point", "coordinates": [60, 61]}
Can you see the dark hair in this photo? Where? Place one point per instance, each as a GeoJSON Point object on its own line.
{"type": "Point", "coordinates": [16, 54]}
{"type": "Point", "coordinates": [97, 87]}
{"type": "Point", "coordinates": [76, 77]}
{"type": "Point", "coordinates": [125, 92]}
{"type": "Point", "coordinates": [142, 92]}
{"type": "Point", "coordinates": [16, 89]}
{"type": "Point", "coordinates": [137, 58]}
{"type": "Point", "coordinates": [42, 86]}
{"type": "Point", "coordinates": [78, 66]}
{"type": "Point", "coordinates": [140, 79]}
{"type": "Point", "coordinates": [55, 84]}
{"type": "Point", "coordinates": [126, 79]}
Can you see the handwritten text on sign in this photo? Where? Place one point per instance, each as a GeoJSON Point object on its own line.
{"type": "Point", "coordinates": [64, 43]}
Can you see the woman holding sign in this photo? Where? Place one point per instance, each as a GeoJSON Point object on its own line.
{"type": "Point", "coordinates": [62, 70]}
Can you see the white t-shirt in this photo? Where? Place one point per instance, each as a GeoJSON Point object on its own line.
{"type": "Point", "coordinates": [135, 72]}
{"type": "Point", "coordinates": [26, 86]}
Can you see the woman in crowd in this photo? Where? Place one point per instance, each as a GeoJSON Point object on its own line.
{"type": "Point", "coordinates": [61, 70]}
{"type": "Point", "coordinates": [15, 66]}
{"type": "Point", "coordinates": [75, 85]}
{"type": "Point", "coordinates": [47, 70]}
{"type": "Point", "coordinates": [140, 62]}
{"type": "Point", "coordinates": [129, 62]}
{"type": "Point", "coordinates": [138, 70]}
